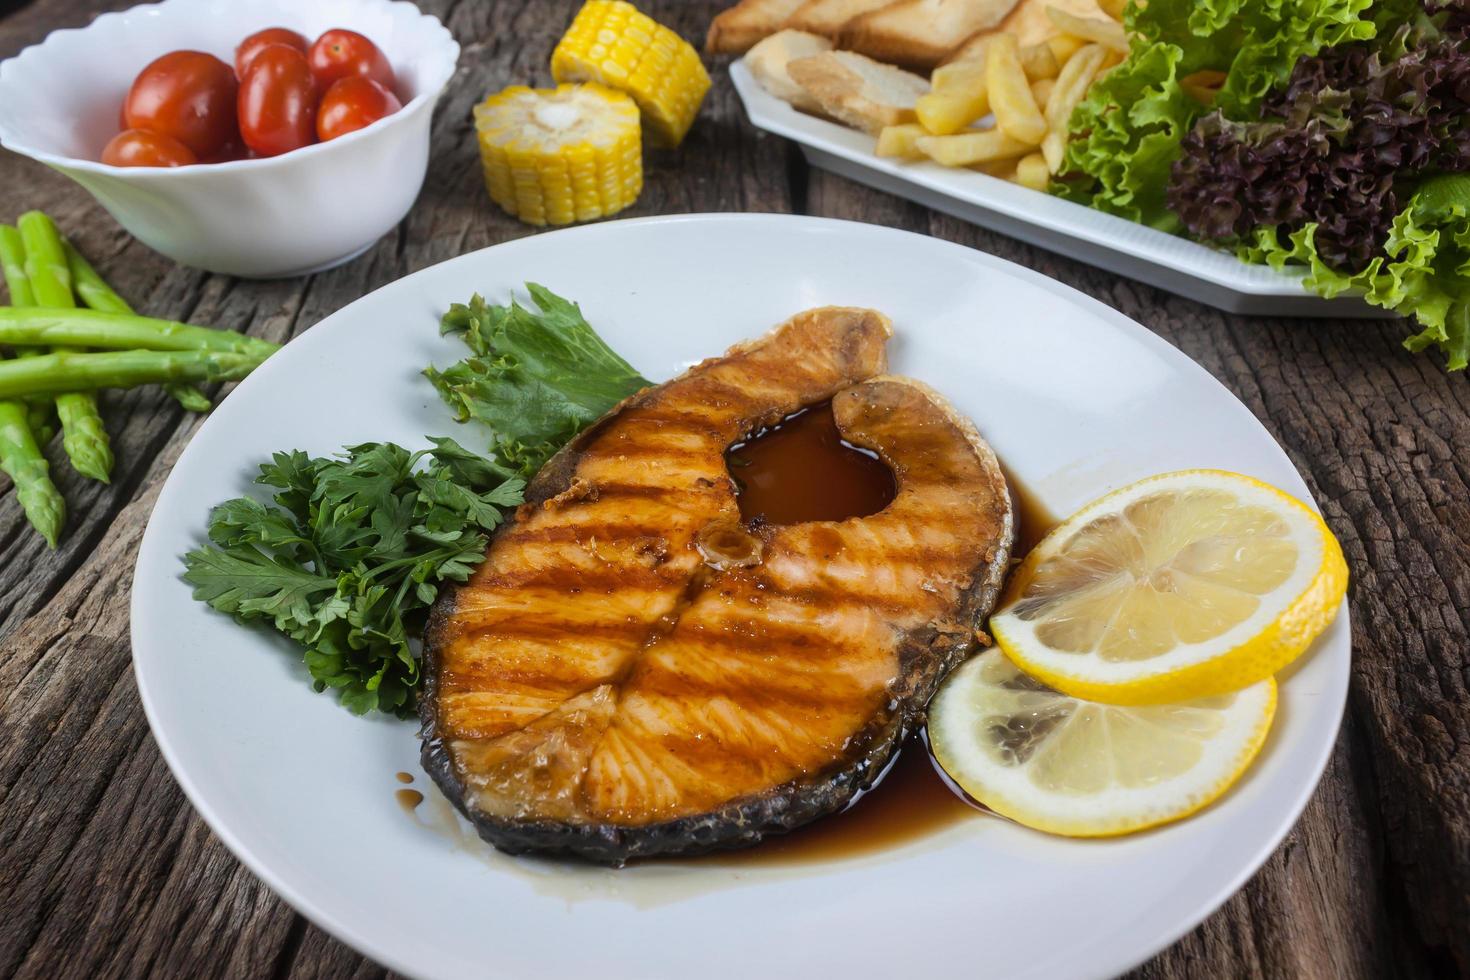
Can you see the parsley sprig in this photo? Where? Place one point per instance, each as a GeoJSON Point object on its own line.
{"type": "Point", "coordinates": [349, 555]}
{"type": "Point", "coordinates": [351, 551]}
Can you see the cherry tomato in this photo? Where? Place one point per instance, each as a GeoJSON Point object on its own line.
{"type": "Point", "coordinates": [187, 95]}
{"type": "Point", "coordinates": [352, 103]}
{"type": "Point", "coordinates": [235, 149]}
{"type": "Point", "coordinates": [278, 102]}
{"type": "Point", "coordinates": [252, 45]}
{"type": "Point", "coordinates": [339, 53]}
{"type": "Point", "coordinates": [140, 148]}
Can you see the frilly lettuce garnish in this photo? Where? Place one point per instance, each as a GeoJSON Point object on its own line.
{"type": "Point", "coordinates": [535, 377]}
{"type": "Point", "coordinates": [1339, 141]}
{"type": "Point", "coordinates": [1127, 132]}
{"type": "Point", "coordinates": [1424, 268]}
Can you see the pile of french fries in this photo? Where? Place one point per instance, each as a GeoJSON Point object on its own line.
{"type": "Point", "coordinates": [1031, 92]}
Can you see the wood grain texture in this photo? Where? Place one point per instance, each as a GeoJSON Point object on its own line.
{"type": "Point", "coordinates": [107, 871]}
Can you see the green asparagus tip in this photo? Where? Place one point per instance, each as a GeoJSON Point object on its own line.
{"type": "Point", "coordinates": [191, 399]}
{"type": "Point", "coordinates": [84, 437]}
{"type": "Point", "coordinates": [50, 532]}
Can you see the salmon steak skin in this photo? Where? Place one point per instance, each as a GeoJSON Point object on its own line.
{"type": "Point", "coordinates": [635, 672]}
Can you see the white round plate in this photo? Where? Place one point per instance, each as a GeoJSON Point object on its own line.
{"type": "Point", "coordinates": [1075, 398]}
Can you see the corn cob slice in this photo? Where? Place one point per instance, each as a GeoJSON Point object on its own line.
{"type": "Point", "coordinates": [555, 156]}
{"type": "Point", "coordinates": [612, 43]}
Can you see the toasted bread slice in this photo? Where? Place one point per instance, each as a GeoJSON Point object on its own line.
{"type": "Point", "coordinates": [1030, 24]}
{"type": "Point", "coordinates": [857, 90]}
{"type": "Point", "coordinates": [767, 61]}
{"type": "Point", "coordinates": [826, 17]}
{"type": "Point", "coordinates": [919, 34]}
{"type": "Point", "coordinates": [735, 30]}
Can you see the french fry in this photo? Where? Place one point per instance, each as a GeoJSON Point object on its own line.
{"type": "Point", "coordinates": [1070, 89]}
{"type": "Point", "coordinates": [1041, 90]}
{"type": "Point", "coordinates": [901, 141]}
{"type": "Point", "coordinates": [1107, 32]}
{"type": "Point", "coordinates": [1004, 169]}
{"type": "Point", "coordinates": [1071, 84]}
{"type": "Point", "coordinates": [959, 76]}
{"type": "Point", "coordinates": [1033, 172]}
{"type": "Point", "coordinates": [1015, 109]}
{"type": "Point", "coordinates": [942, 113]}
{"type": "Point", "coordinates": [1054, 149]}
{"type": "Point", "coordinates": [1113, 8]}
{"type": "Point", "coordinates": [1063, 46]}
{"type": "Point", "coordinates": [967, 149]}
{"type": "Point", "coordinates": [1038, 61]}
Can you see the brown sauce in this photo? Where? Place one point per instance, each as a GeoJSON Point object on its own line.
{"type": "Point", "coordinates": [911, 802]}
{"type": "Point", "coordinates": [801, 469]}
{"type": "Point", "coordinates": [404, 777]}
{"type": "Point", "coordinates": [408, 799]}
{"type": "Point", "coordinates": [1034, 520]}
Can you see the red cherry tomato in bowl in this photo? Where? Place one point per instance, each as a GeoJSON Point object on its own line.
{"type": "Point", "coordinates": [352, 103]}
{"type": "Point", "coordinates": [140, 148]}
{"type": "Point", "coordinates": [230, 152]}
{"type": "Point", "coordinates": [339, 53]}
{"type": "Point", "coordinates": [257, 42]}
{"type": "Point", "coordinates": [186, 95]}
{"type": "Point", "coordinates": [278, 100]}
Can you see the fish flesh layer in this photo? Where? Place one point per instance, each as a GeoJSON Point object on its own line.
{"type": "Point", "coordinates": [634, 672]}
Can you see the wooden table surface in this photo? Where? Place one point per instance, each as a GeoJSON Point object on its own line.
{"type": "Point", "coordinates": [106, 870]}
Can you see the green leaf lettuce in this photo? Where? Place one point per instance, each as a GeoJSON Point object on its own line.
{"type": "Point", "coordinates": [1425, 273]}
{"type": "Point", "coordinates": [1128, 129]}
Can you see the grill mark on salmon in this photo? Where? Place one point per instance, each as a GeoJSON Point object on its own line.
{"type": "Point", "coordinates": [708, 708]}
{"type": "Point", "coordinates": [540, 630]}
{"type": "Point", "coordinates": [567, 534]}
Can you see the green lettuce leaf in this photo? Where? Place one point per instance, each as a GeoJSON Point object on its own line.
{"type": "Point", "coordinates": [1425, 274]}
{"type": "Point", "coordinates": [536, 377]}
{"type": "Point", "coordinates": [1126, 133]}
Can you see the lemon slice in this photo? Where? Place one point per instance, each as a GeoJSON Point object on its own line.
{"type": "Point", "coordinates": [1084, 769]}
{"type": "Point", "coordinates": [1179, 586]}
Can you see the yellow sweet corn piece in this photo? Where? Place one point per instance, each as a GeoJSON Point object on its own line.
{"type": "Point", "coordinates": [611, 42]}
{"type": "Point", "coordinates": [555, 156]}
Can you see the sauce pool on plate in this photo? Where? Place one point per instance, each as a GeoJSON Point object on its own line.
{"type": "Point", "coordinates": [801, 469]}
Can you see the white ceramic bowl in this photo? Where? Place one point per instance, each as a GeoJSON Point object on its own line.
{"type": "Point", "coordinates": [287, 215]}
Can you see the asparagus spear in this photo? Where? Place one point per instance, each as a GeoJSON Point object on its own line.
{"type": "Point", "coordinates": [69, 371]}
{"type": "Point", "coordinates": [21, 457]}
{"type": "Point", "coordinates": [40, 409]}
{"type": "Point", "coordinates": [83, 435]}
{"type": "Point", "coordinates": [13, 264]}
{"type": "Point", "coordinates": [97, 294]}
{"type": "Point", "coordinates": [37, 327]}
{"type": "Point", "coordinates": [21, 423]}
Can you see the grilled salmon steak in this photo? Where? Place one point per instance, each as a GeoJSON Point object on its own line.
{"type": "Point", "coordinates": [633, 671]}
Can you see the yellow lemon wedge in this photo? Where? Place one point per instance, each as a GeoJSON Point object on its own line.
{"type": "Point", "coordinates": [1082, 769]}
{"type": "Point", "coordinates": [1178, 586]}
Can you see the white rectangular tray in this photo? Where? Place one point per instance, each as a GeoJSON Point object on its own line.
{"type": "Point", "coordinates": [1104, 240]}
